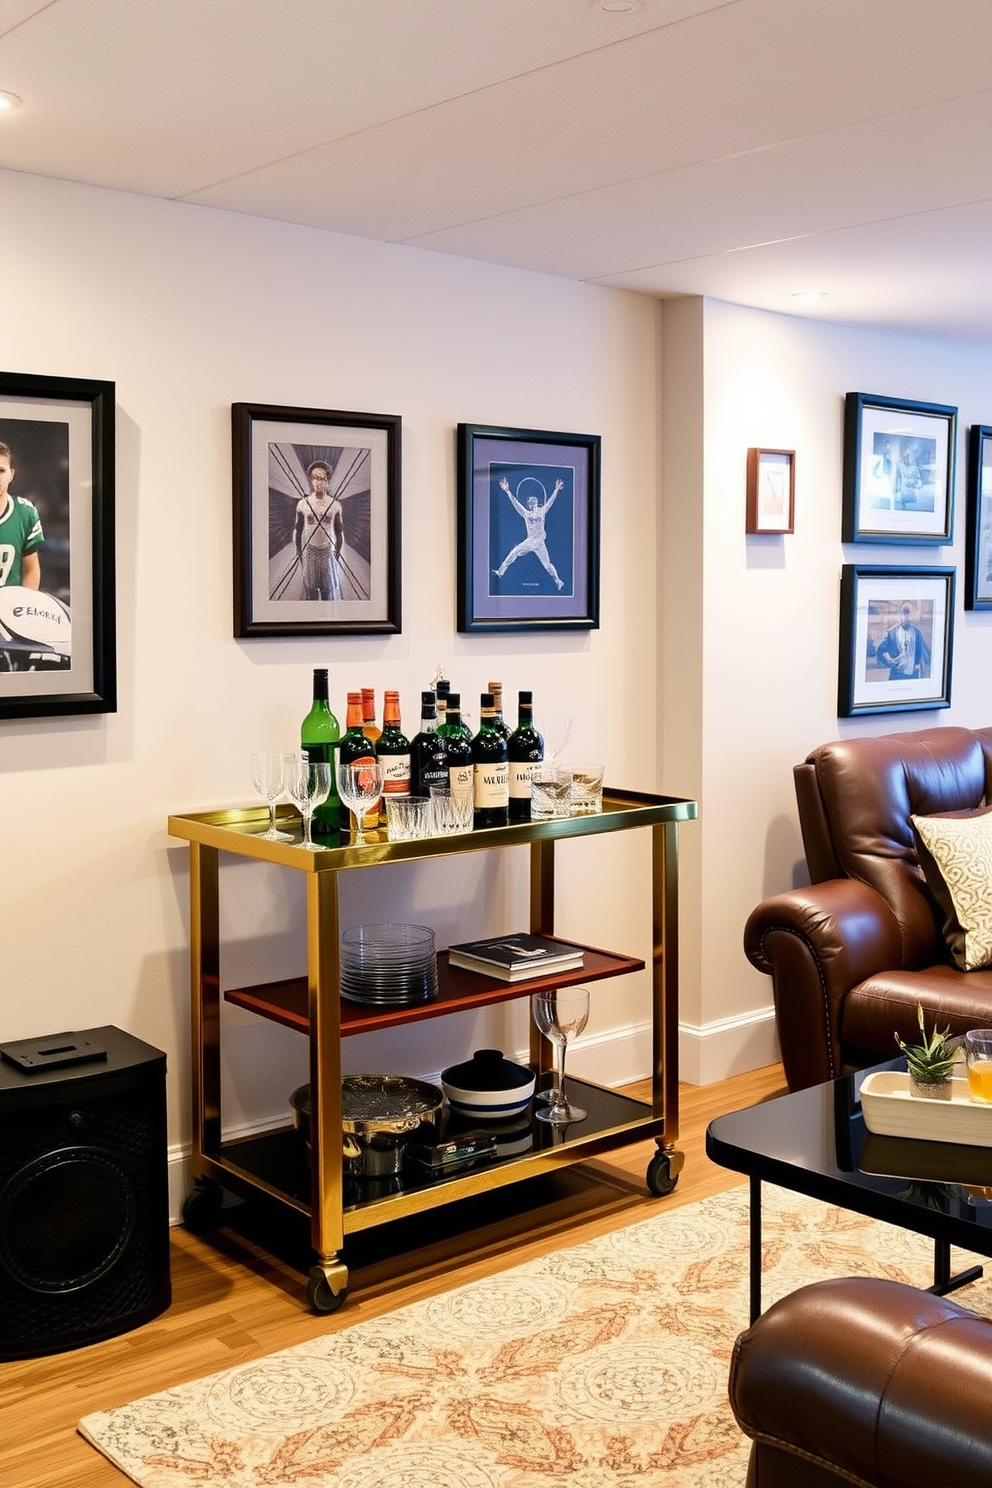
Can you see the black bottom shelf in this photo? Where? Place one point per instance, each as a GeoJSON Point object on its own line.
{"type": "Point", "coordinates": [279, 1159]}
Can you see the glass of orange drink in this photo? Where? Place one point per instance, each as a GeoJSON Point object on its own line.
{"type": "Point", "coordinates": [978, 1052]}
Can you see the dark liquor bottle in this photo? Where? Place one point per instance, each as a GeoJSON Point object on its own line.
{"type": "Point", "coordinates": [525, 750]}
{"type": "Point", "coordinates": [356, 749]}
{"type": "Point", "coordinates": [489, 769]}
{"type": "Point", "coordinates": [502, 728]}
{"type": "Point", "coordinates": [460, 769]}
{"type": "Point", "coordinates": [428, 750]}
{"type": "Point", "coordinates": [393, 750]}
{"type": "Point", "coordinates": [319, 736]}
{"type": "Point", "coordinates": [442, 691]}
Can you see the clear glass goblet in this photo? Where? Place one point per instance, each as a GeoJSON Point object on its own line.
{"type": "Point", "coordinates": [309, 786]}
{"type": "Point", "coordinates": [360, 788]}
{"type": "Point", "coordinates": [560, 1015]}
{"type": "Point", "coordinates": [268, 776]}
{"type": "Point", "coordinates": [555, 729]}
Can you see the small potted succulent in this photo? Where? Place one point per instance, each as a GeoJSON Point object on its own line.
{"type": "Point", "coordinates": [929, 1062]}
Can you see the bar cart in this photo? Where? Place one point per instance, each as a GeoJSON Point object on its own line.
{"type": "Point", "coordinates": [269, 1163]}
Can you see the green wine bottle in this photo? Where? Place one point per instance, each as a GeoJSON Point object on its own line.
{"type": "Point", "coordinates": [460, 769]}
{"type": "Point", "coordinates": [319, 736]}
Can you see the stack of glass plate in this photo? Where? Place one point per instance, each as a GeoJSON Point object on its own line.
{"type": "Point", "coordinates": [388, 965]}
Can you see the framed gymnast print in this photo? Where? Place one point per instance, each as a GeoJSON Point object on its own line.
{"type": "Point", "coordinates": [528, 529]}
{"type": "Point", "coordinates": [316, 522]}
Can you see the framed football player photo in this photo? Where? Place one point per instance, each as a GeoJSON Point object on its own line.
{"type": "Point", "coordinates": [316, 522]}
{"type": "Point", "coordinates": [57, 601]}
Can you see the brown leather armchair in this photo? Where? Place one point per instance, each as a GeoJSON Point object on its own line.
{"type": "Point", "coordinates": [866, 1382]}
{"type": "Point", "coordinates": [851, 956]}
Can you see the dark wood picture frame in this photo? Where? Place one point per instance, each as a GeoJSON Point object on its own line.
{"type": "Point", "coordinates": [58, 641]}
{"type": "Point", "coordinates": [528, 529]}
{"type": "Point", "coordinates": [896, 639]}
{"type": "Point", "coordinates": [771, 492]}
{"type": "Point", "coordinates": [898, 470]}
{"type": "Point", "coordinates": [978, 565]}
{"type": "Point", "coordinates": [313, 556]}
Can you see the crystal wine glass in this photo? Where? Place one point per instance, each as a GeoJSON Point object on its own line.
{"type": "Point", "coordinates": [268, 776]}
{"type": "Point", "coordinates": [560, 1015]}
{"type": "Point", "coordinates": [555, 730]}
{"type": "Point", "coordinates": [309, 786]}
{"type": "Point", "coordinates": [360, 788]}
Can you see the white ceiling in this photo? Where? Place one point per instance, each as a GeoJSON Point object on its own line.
{"type": "Point", "coordinates": [745, 149]}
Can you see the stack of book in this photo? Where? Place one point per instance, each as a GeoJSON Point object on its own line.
{"type": "Point", "coordinates": [514, 958]}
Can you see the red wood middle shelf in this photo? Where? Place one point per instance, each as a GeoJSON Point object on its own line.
{"type": "Point", "coordinates": [286, 1001]}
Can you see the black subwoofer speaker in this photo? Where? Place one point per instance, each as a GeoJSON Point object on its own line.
{"type": "Point", "coordinates": [84, 1202]}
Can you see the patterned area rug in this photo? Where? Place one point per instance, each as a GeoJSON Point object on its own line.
{"type": "Point", "coordinates": [600, 1366]}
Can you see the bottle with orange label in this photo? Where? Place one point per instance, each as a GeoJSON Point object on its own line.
{"type": "Point", "coordinates": [356, 749]}
{"type": "Point", "coordinates": [392, 750]}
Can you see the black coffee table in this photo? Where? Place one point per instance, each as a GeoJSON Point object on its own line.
{"type": "Point", "coordinates": [815, 1142]}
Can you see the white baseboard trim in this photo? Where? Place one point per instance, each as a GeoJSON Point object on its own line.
{"type": "Point", "coordinates": [728, 1046]}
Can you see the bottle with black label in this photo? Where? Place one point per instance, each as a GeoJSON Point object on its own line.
{"type": "Point", "coordinates": [428, 750]}
{"type": "Point", "coordinates": [320, 733]}
{"type": "Point", "coordinates": [502, 727]}
{"type": "Point", "coordinates": [460, 769]}
{"type": "Point", "coordinates": [489, 768]}
{"type": "Point", "coordinates": [525, 750]}
{"type": "Point", "coordinates": [392, 750]}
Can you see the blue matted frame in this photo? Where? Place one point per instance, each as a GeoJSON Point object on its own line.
{"type": "Point", "coordinates": [528, 529]}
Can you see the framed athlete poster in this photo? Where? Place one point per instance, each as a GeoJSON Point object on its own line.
{"type": "Point", "coordinates": [316, 522]}
{"type": "Point", "coordinates": [58, 648]}
{"type": "Point", "coordinates": [528, 529]}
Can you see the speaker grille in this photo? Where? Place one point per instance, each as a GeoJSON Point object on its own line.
{"type": "Point", "coordinates": [84, 1233]}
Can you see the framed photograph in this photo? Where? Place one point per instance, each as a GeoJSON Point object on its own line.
{"type": "Point", "coordinates": [896, 629]}
{"type": "Point", "coordinates": [978, 570]}
{"type": "Point", "coordinates": [898, 470]}
{"type": "Point", "coordinates": [58, 644]}
{"type": "Point", "coordinates": [316, 522]}
{"type": "Point", "coordinates": [771, 490]}
{"type": "Point", "coordinates": [528, 529]}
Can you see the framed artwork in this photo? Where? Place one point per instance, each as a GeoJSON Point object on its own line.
{"type": "Point", "coordinates": [528, 529]}
{"type": "Point", "coordinates": [898, 470]}
{"type": "Point", "coordinates": [316, 522]}
{"type": "Point", "coordinates": [58, 642]}
{"type": "Point", "coordinates": [978, 570]}
{"type": "Point", "coordinates": [896, 629]}
{"type": "Point", "coordinates": [771, 490]}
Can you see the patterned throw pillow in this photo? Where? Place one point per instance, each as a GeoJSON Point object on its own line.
{"type": "Point", "coordinates": [956, 857]}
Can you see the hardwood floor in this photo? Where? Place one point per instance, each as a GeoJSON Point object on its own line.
{"type": "Point", "coordinates": [233, 1300]}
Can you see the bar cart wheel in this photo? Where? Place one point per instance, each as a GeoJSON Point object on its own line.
{"type": "Point", "coordinates": [321, 1296]}
{"type": "Point", "coordinates": [201, 1207]}
{"type": "Point", "coordinates": [663, 1171]}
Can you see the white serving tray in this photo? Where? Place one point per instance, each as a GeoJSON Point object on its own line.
{"type": "Point", "coordinates": [890, 1111]}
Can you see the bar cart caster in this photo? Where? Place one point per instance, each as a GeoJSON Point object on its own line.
{"type": "Point", "coordinates": [201, 1207]}
{"type": "Point", "coordinates": [321, 1294]}
{"type": "Point", "coordinates": [663, 1171]}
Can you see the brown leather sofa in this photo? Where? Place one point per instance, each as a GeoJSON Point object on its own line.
{"type": "Point", "coordinates": [866, 1382]}
{"type": "Point", "coordinates": [851, 956]}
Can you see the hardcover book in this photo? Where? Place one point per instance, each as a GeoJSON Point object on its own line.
{"type": "Point", "coordinates": [515, 957]}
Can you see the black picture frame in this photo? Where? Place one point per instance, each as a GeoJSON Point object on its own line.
{"type": "Point", "coordinates": [896, 639]}
{"type": "Point", "coordinates": [898, 470]}
{"type": "Point", "coordinates": [275, 452]}
{"type": "Point", "coordinates": [58, 642]}
{"type": "Point", "coordinates": [503, 474]}
{"type": "Point", "coordinates": [978, 566]}
{"type": "Point", "coordinates": [771, 492]}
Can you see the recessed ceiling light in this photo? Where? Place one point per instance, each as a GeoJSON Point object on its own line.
{"type": "Point", "coordinates": [618, 7]}
{"type": "Point", "coordinates": [9, 101]}
{"type": "Point", "coordinates": [810, 296]}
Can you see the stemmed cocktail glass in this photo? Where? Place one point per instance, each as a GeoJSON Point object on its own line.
{"type": "Point", "coordinates": [309, 786]}
{"type": "Point", "coordinates": [268, 776]}
{"type": "Point", "coordinates": [560, 1015]}
{"type": "Point", "coordinates": [360, 788]}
